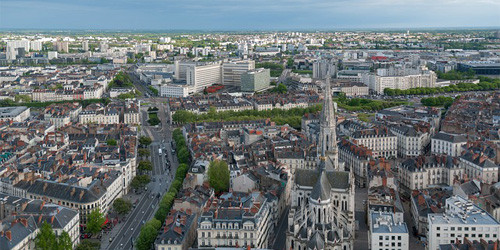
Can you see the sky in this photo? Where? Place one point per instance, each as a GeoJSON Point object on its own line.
{"type": "Point", "coordinates": [247, 15]}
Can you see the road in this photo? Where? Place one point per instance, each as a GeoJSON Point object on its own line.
{"type": "Point", "coordinates": [280, 237]}
{"type": "Point", "coordinates": [164, 166]}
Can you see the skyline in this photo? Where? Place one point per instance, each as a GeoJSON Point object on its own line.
{"type": "Point", "coordinates": [226, 15]}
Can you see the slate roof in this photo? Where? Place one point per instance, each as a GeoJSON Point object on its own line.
{"type": "Point", "coordinates": [336, 179]}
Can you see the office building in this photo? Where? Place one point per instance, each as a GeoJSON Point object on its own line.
{"type": "Point", "coordinates": [232, 71]}
{"type": "Point", "coordinates": [461, 219]}
{"type": "Point", "coordinates": [15, 114]}
{"type": "Point", "coordinates": [382, 80]}
{"type": "Point", "coordinates": [198, 77]}
{"type": "Point", "coordinates": [255, 80]}
{"type": "Point", "coordinates": [480, 68]}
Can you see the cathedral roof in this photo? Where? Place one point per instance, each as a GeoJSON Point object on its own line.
{"type": "Point", "coordinates": [322, 188]}
{"type": "Point", "coordinates": [308, 178]}
{"type": "Point", "coordinates": [316, 241]}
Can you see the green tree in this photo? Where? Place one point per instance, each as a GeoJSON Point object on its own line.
{"type": "Point", "coordinates": [46, 239]}
{"type": "Point", "coordinates": [145, 166]}
{"type": "Point", "coordinates": [148, 234]}
{"type": "Point", "coordinates": [22, 98]}
{"type": "Point", "coordinates": [183, 155]}
{"type": "Point", "coordinates": [281, 89]}
{"type": "Point", "coordinates": [218, 176]}
{"type": "Point", "coordinates": [143, 152]}
{"type": "Point", "coordinates": [111, 142]}
{"type": "Point", "coordinates": [145, 141]}
{"type": "Point", "coordinates": [95, 222]}
{"type": "Point", "coordinates": [122, 206]}
{"type": "Point", "coordinates": [140, 181]}
{"type": "Point", "coordinates": [153, 121]}
{"type": "Point", "coordinates": [64, 241]}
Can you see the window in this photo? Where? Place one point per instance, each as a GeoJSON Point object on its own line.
{"type": "Point", "coordinates": [399, 237]}
{"type": "Point", "coordinates": [380, 237]}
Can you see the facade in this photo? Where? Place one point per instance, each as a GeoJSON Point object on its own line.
{"type": "Point", "coordinates": [424, 171]}
{"type": "Point", "coordinates": [410, 142]}
{"type": "Point", "coordinates": [355, 158]}
{"type": "Point", "coordinates": [450, 144]}
{"type": "Point", "coordinates": [387, 232]}
{"type": "Point", "coordinates": [381, 141]}
{"type": "Point", "coordinates": [479, 167]}
{"type": "Point", "coordinates": [243, 222]}
{"type": "Point", "coordinates": [322, 199]}
{"type": "Point", "coordinates": [461, 219]}
{"type": "Point", "coordinates": [232, 71]}
{"type": "Point", "coordinates": [15, 114]}
{"type": "Point", "coordinates": [255, 80]}
{"type": "Point", "coordinates": [178, 232]}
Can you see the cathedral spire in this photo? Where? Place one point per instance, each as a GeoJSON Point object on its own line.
{"type": "Point", "coordinates": [327, 146]}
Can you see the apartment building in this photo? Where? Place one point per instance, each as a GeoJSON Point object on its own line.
{"type": "Point", "coordinates": [445, 143]}
{"type": "Point", "coordinates": [244, 221]}
{"type": "Point", "coordinates": [355, 157]}
{"type": "Point", "coordinates": [461, 219]}
{"type": "Point", "coordinates": [410, 141]}
{"type": "Point", "coordinates": [424, 171]}
{"type": "Point", "coordinates": [479, 166]}
{"type": "Point", "coordinates": [378, 83]}
{"type": "Point", "coordinates": [381, 141]}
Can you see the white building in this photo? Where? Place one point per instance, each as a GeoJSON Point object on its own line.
{"type": "Point", "coordinates": [386, 232]}
{"type": "Point", "coordinates": [461, 219]}
{"type": "Point", "coordinates": [16, 114]}
{"type": "Point", "coordinates": [411, 142]}
{"type": "Point", "coordinates": [381, 141]}
{"type": "Point", "coordinates": [200, 77]}
{"type": "Point", "coordinates": [174, 90]}
{"type": "Point", "coordinates": [450, 144]}
{"type": "Point", "coordinates": [378, 82]}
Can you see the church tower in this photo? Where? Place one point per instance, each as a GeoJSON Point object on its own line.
{"type": "Point", "coordinates": [327, 146]}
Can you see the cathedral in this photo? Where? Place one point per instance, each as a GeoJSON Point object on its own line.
{"type": "Point", "coordinates": [322, 199]}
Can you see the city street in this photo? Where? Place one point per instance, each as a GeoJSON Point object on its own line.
{"type": "Point", "coordinates": [164, 167]}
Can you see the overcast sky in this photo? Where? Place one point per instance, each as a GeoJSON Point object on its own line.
{"type": "Point", "coordinates": [247, 15]}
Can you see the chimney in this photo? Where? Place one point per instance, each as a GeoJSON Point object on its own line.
{"type": "Point", "coordinates": [52, 219]}
{"type": "Point", "coordinates": [8, 234]}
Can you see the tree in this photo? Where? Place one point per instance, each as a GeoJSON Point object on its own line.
{"type": "Point", "coordinates": [22, 98]}
{"type": "Point", "coordinates": [46, 239]}
{"type": "Point", "coordinates": [111, 142]}
{"type": "Point", "coordinates": [148, 234]}
{"type": "Point", "coordinates": [64, 241]}
{"type": "Point", "coordinates": [183, 155]}
{"type": "Point", "coordinates": [95, 221]}
{"type": "Point", "coordinates": [281, 88]}
{"type": "Point", "coordinates": [145, 141]}
{"type": "Point", "coordinates": [145, 166]}
{"type": "Point", "coordinates": [153, 121]}
{"type": "Point", "coordinates": [140, 181]}
{"type": "Point", "coordinates": [88, 245]}
{"type": "Point", "coordinates": [218, 176]}
{"type": "Point", "coordinates": [122, 206]}
{"type": "Point", "coordinates": [143, 152]}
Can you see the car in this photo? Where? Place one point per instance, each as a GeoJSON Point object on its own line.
{"type": "Point", "coordinates": [132, 229]}
{"type": "Point", "coordinates": [110, 239]}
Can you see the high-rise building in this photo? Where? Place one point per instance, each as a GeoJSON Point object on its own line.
{"type": "Point", "coordinates": [12, 48]}
{"type": "Point", "coordinates": [198, 77]}
{"type": "Point", "coordinates": [103, 47]}
{"type": "Point", "coordinates": [85, 45]}
{"type": "Point", "coordinates": [232, 71]}
{"type": "Point", "coordinates": [322, 67]}
{"type": "Point", "coordinates": [62, 46]}
{"type": "Point", "coordinates": [255, 80]}
{"type": "Point", "coordinates": [36, 45]}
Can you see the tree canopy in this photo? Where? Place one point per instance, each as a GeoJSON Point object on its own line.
{"type": "Point", "coordinates": [140, 181]}
{"type": "Point", "coordinates": [218, 176]}
{"type": "Point", "coordinates": [95, 221]}
{"type": "Point", "coordinates": [145, 141]}
{"type": "Point", "coordinates": [122, 206]}
{"type": "Point", "coordinates": [47, 240]}
{"type": "Point", "coordinates": [145, 166]}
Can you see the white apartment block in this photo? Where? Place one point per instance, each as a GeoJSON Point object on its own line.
{"type": "Point", "coordinates": [425, 171]}
{"type": "Point", "coordinates": [461, 219]}
{"type": "Point", "coordinates": [381, 141]}
{"type": "Point", "coordinates": [131, 117]}
{"type": "Point", "coordinates": [378, 83]}
{"type": "Point", "coordinates": [86, 117]}
{"type": "Point", "coordinates": [232, 71]}
{"type": "Point", "coordinates": [450, 144]}
{"type": "Point", "coordinates": [200, 77]}
{"type": "Point", "coordinates": [386, 232]}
